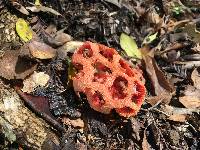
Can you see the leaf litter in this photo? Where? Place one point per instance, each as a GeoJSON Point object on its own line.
{"type": "Point", "coordinates": [161, 37]}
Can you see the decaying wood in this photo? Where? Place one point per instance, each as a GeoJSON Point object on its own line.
{"type": "Point", "coordinates": [19, 123]}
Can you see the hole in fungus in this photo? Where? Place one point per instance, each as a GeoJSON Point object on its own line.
{"type": "Point", "coordinates": [138, 91]}
{"type": "Point", "coordinates": [99, 77]}
{"type": "Point", "coordinates": [78, 67]}
{"type": "Point", "coordinates": [86, 51]}
{"type": "Point", "coordinates": [125, 66]}
{"type": "Point", "coordinates": [125, 110]}
{"type": "Point", "coordinates": [135, 98]}
{"type": "Point", "coordinates": [97, 99]}
{"type": "Point", "coordinates": [107, 52]}
{"type": "Point", "coordinates": [101, 68]}
{"type": "Point", "coordinates": [118, 87]}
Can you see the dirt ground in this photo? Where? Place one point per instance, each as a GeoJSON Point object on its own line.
{"type": "Point", "coordinates": [41, 109]}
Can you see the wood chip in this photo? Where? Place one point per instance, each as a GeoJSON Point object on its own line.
{"type": "Point", "coordinates": [195, 76]}
{"type": "Point", "coordinates": [35, 80]}
{"type": "Point", "coordinates": [145, 144]}
{"type": "Point", "coordinates": [75, 123]}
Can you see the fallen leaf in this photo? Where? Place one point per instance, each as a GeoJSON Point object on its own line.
{"type": "Point", "coordinates": [68, 47]}
{"type": "Point", "coordinates": [158, 79]}
{"type": "Point", "coordinates": [163, 97]}
{"type": "Point", "coordinates": [39, 8]}
{"type": "Point", "coordinates": [15, 67]}
{"type": "Point", "coordinates": [178, 117]}
{"type": "Point", "coordinates": [51, 29]}
{"type": "Point", "coordinates": [37, 3]}
{"type": "Point", "coordinates": [73, 122]}
{"type": "Point", "coordinates": [129, 45]}
{"type": "Point", "coordinates": [191, 98]}
{"type": "Point", "coordinates": [195, 78]}
{"type": "Point", "coordinates": [41, 50]}
{"type": "Point", "coordinates": [36, 79]}
{"type": "Point", "coordinates": [149, 38]}
{"type": "Point", "coordinates": [56, 40]}
{"type": "Point", "coordinates": [40, 105]}
{"type": "Point", "coordinates": [154, 17]}
{"type": "Point", "coordinates": [170, 110]}
{"type": "Point", "coordinates": [190, 101]}
{"type": "Point", "coordinates": [23, 30]}
{"type": "Point", "coordinates": [62, 38]}
{"type": "Point", "coordinates": [115, 2]}
{"type": "Point", "coordinates": [20, 8]}
{"type": "Point", "coordinates": [161, 86]}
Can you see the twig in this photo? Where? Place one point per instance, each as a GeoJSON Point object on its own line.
{"type": "Point", "coordinates": [188, 64]}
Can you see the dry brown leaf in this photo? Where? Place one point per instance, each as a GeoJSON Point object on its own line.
{"type": "Point", "coordinates": [73, 122]}
{"type": "Point", "coordinates": [178, 117]}
{"type": "Point", "coordinates": [43, 9]}
{"type": "Point", "coordinates": [36, 79]}
{"type": "Point", "coordinates": [20, 8]}
{"type": "Point", "coordinates": [158, 79]}
{"type": "Point", "coordinates": [56, 40]}
{"type": "Point", "coordinates": [191, 98]}
{"type": "Point", "coordinates": [15, 67]}
{"type": "Point", "coordinates": [41, 50]}
{"type": "Point", "coordinates": [163, 97]}
{"type": "Point", "coordinates": [169, 110]}
{"type": "Point", "coordinates": [190, 101]}
{"type": "Point", "coordinates": [51, 29]}
{"type": "Point", "coordinates": [62, 38]}
{"type": "Point", "coordinates": [153, 17]}
{"type": "Point", "coordinates": [196, 78]}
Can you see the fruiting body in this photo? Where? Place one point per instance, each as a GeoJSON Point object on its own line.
{"type": "Point", "coordinates": [107, 80]}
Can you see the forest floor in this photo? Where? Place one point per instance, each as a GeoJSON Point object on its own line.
{"type": "Point", "coordinates": [166, 33]}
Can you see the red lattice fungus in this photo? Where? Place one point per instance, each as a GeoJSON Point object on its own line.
{"type": "Point", "coordinates": [107, 80]}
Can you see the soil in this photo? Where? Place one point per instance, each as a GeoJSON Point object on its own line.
{"type": "Point", "coordinates": [164, 121]}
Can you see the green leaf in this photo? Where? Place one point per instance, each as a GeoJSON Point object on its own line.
{"type": "Point", "coordinates": [149, 38]}
{"type": "Point", "coordinates": [129, 45]}
{"type": "Point", "coordinates": [23, 30]}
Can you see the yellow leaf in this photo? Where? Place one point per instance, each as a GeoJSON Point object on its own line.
{"type": "Point", "coordinates": [129, 46]}
{"type": "Point", "coordinates": [23, 30]}
{"type": "Point", "coordinates": [37, 3]}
